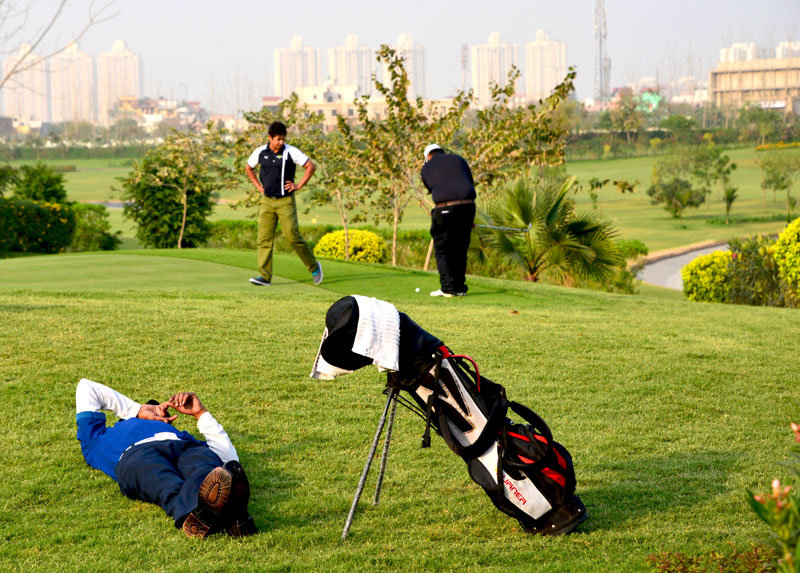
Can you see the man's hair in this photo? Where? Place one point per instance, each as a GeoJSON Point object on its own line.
{"type": "Point", "coordinates": [276, 128]}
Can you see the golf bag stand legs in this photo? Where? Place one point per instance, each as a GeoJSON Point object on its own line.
{"type": "Point", "coordinates": [390, 400]}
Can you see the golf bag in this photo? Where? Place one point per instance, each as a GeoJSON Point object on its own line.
{"type": "Point", "coordinates": [526, 474]}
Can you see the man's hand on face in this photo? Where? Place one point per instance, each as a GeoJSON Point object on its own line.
{"type": "Point", "coordinates": [187, 403]}
{"type": "Point", "coordinates": [158, 412]}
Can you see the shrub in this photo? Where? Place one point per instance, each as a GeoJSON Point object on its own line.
{"type": "Point", "coordinates": [92, 229]}
{"type": "Point", "coordinates": [753, 274]}
{"type": "Point", "coordinates": [40, 182]}
{"type": "Point", "coordinates": [705, 279]}
{"type": "Point", "coordinates": [787, 255]}
{"type": "Point", "coordinates": [364, 246]}
{"type": "Point", "coordinates": [28, 226]}
{"type": "Point", "coordinates": [757, 559]}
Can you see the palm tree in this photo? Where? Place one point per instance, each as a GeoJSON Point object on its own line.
{"type": "Point", "coordinates": [553, 239]}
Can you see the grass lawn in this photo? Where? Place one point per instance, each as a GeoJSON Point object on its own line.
{"type": "Point", "coordinates": [670, 409]}
{"type": "Point", "coordinates": [634, 215]}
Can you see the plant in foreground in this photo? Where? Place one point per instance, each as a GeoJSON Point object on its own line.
{"type": "Point", "coordinates": [780, 509]}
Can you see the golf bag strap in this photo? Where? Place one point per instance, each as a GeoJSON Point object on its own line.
{"type": "Point", "coordinates": [494, 423]}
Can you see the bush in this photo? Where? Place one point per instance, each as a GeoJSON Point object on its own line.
{"type": "Point", "coordinates": [28, 226]}
{"type": "Point", "coordinates": [40, 182]}
{"type": "Point", "coordinates": [363, 247]}
{"type": "Point", "coordinates": [92, 229]}
{"type": "Point", "coordinates": [753, 274]}
{"type": "Point", "coordinates": [705, 279]}
{"type": "Point", "coordinates": [787, 255]}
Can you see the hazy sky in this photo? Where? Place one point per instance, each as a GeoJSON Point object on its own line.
{"type": "Point", "coordinates": [220, 52]}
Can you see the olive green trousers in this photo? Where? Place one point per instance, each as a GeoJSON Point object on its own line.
{"type": "Point", "coordinates": [283, 210]}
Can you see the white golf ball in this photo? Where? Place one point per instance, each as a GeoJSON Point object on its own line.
{"type": "Point", "coordinates": [416, 289]}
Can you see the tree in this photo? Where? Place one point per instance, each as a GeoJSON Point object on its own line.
{"type": "Point", "coordinates": [682, 127]}
{"type": "Point", "coordinates": [758, 122]}
{"type": "Point", "coordinates": [671, 185]}
{"type": "Point", "coordinates": [40, 182]}
{"type": "Point", "coordinates": [13, 18]}
{"type": "Point", "coordinates": [729, 196]}
{"type": "Point", "coordinates": [554, 239]}
{"type": "Point", "coordinates": [8, 178]}
{"type": "Point", "coordinates": [625, 118]}
{"type": "Point", "coordinates": [391, 147]}
{"type": "Point", "coordinates": [169, 194]}
{"type": "Point", "coordinates": [778, 172]}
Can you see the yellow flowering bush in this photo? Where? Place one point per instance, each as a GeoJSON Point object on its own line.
{"type": "Point", "coordinates": [705, 279]}
{"type": "Point", "coordinates": [786, 253]}
{"type": "Point", "coordinates": [364, 246]}
{"type": "Point", "coordinates": [36, 227]}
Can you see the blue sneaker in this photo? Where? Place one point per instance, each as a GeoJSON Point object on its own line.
{"type": "Point", "coordinates": [260, 281]}
{"type": "Point", "coordinates": [317, 274]}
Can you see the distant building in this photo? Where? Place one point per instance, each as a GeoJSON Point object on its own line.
{"type": "Point", "coordinates": [787, 50]}
{"type": "Point", "coordinates": [295, 67]}
{"type": "Point", "coordinates": [414, 56]}
{"type": "Point", "coordinates": [26, 90]}
{"type": "Point", "coordinates": [491, 63]}
{"type": "Point", "coordinates": [545, 66]}
{"type": "Point", "coordinates": [150, 113]}
{"type": "Point", "coordinates": [72, 86]}
{"type": "Point", "coordinates": [117, 77]}
{"type": "Point", "coordinates": [351, 65]}
{"type": "Point", "coordinates": [770, 83]}
{"type": "Point", "coordinates": [740, 52]}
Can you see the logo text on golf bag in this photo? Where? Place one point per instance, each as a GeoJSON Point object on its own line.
{"type": "Point", "coordinates": [513, 490]}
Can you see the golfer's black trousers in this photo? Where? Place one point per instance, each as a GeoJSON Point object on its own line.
{"type": "Point", "coordinates": [167, 473]}
{"type": "Point", "coordinates": [450, 229]}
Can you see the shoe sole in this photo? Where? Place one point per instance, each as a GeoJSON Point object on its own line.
{"type": "Point", "coordinates": [317, 282]}
{"type": "Point", "coordinates": [255, 282]}
{"type": "Point", "coordinates": [194, 527]}
{"type": "Point", "coordinates": [216, 489]}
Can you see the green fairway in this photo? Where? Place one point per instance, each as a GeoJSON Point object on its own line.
{"type": "Point", "coordinates": [670, 409]}
{"type": "Point", "coordinates": [634, 215]}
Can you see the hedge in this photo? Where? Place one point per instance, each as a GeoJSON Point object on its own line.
{"type": "Point", "coordinates": [705, 279]}
{"type": "Point", "coordinates": [362, 246]}
{"type": "Point", "coordinates": [34, 227]}
{"type": "Point", "coordinates": [787, 255]}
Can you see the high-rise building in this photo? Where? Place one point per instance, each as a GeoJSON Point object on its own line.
{"type": "Point", "coordinates": [740, 52]}
{"type": "Point", "coordinates": [545, 66]}
{"type": "Point", "coordinates": [491, 63]}
{"type": "Point", "coordinates": [351, 65]}
{"type": "Point", "coordinates": [72, 88]}
{"type": "Point", "coordinates": [26, 89]}
{"type": "Point", "coordinates": [414, 56]}
{"type": "Point", "coordinates": [117, 76]}
{"type": "Point", "coordinates": [295, 67]}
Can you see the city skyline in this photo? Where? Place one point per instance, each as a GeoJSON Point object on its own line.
{"type": "Point", "coordinates": [226, 62]}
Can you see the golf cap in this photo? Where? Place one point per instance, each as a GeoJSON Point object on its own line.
{"type": "Point", "coordinates": [432, 147]}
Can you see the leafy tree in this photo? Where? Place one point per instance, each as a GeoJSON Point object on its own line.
{"type": "Point", "coordinates": [710, 166]}
{"type": "Point", "coordinates": [169, 194]}
{"type": "Point", "coordinates": [625, 117]}
{"type": "Point", "coordinates": [8, 178]}
{"type": "Point", "coordinates": [40, 182]}
{"type": "Point", "coordinates": [778, 172]}
{"type": "Point", "coordinates": [125, 129]}
{"type": "Point", "coordinates": [671, 185]}
{"type": "Point", "coordinates": [759, 122]}
{"type": "Point", "coordinates": [681, 126]}
{"type": "Point", "coordinates": [554, 240]}
{"type": "Point", "coordinates": [729, 195]}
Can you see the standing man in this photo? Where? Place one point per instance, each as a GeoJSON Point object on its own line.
{"type": "Point", "coordinates": [448, 179]}
{"type": "Point", "coordinates": [200, 485]}
{"type": "Point", "coordinates": [278, 163]}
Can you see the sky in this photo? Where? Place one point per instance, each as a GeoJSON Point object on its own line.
{"type": "Point", "coordinates": [220, 51]}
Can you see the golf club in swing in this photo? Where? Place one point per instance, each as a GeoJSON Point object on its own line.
{"type": "Point", "coordinates": [511, 229]}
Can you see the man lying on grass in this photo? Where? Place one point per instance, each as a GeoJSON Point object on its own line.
{"type": "Point", "coordinates": [200, 485]}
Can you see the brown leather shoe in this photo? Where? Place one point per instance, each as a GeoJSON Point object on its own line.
{"type": "Point", "coordinates": [240, 523]}
{"type": "Point", "coordinates": [212, 497]}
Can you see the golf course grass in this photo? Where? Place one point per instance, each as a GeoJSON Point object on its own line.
{"type": "Point", "coordinates": [671, 410]}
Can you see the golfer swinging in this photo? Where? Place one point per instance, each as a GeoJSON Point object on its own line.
{"type": "Point", "coordinates": [448, 179]}
{"type": "Point", "coordinates": [200, 485]}
{"type": "Point", "coordinates": [277, 163]}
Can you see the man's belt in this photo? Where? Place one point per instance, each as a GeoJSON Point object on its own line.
{"type": "Point", "coordinates": [452, 203]}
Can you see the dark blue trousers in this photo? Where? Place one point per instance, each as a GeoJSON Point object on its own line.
{"type": "Point", "coordinates": [167, 473]}
{"type": "Point", "coordinates": [451, 228]}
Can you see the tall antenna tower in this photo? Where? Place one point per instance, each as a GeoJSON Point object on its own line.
{"type": "Point", "coordinates": [602, 64]}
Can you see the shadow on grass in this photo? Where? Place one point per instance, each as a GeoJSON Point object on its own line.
{"type": "Point", "coordinates": [18, 308]}
{"type": "Point", "coordinates": [641, 488]}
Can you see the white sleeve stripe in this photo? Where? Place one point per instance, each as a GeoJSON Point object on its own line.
{"type": "Point", "coordinates": [297, 156]}
{"type": "Point", "coordinates": [252, 161]}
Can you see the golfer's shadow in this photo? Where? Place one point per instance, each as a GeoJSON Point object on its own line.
{"type": "Point", "coordinates": [634, 488]}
